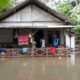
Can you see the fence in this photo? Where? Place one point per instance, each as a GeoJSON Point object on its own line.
{"type": "Point", "coordinates": [44, 52]}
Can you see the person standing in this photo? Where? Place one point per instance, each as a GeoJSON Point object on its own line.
{"type": "Point", "coordinates": [55, 41]}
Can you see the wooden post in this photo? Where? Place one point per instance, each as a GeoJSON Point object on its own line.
{"type": "Point", "coordinates": [32, 53]}
{"type": "Point", "coordinates": [45, 41]}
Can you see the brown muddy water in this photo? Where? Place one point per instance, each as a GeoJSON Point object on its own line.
{"type": "Point", "coordinates": [40, 68]}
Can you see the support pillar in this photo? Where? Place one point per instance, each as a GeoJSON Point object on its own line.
{"type": "Point", "coordinates": [67, 38]}
{"type": "Point", "coordinates": [73, 42]}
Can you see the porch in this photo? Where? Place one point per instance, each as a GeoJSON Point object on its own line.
{"type": "Point", "coordinates": [9, 37]}
{"type": "Point", "coordinates": [10, 48]}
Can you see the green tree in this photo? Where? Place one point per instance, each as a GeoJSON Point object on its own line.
{"type": "Point", "coordinates": [77, 28]}
{"type": "Point", "coordinates": [72, 13]}
{"type": "Point", "coordinates": [4, 4]}
{"type": "Point", "coordinates": [77, 33]}
{"type": "Point", "coordinates": [78, 1]}
{"type": "Point", "coordinates": [66, 10]}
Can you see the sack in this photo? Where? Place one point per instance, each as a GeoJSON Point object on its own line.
{"type": "Point", "coordinates": [53, 50]}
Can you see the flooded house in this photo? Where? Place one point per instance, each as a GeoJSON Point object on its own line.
{"type": "Point", "coordinates": [36, 20]}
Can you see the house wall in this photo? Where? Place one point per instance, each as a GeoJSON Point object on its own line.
{"type": "Point", "coordinates": [73, 42]}
{"type": "Point", "coordinates": [29, 14]}
{"type": "Point", "coordinates": [70, 41]}
{"type": "Point", "coordinates": [67, 38]}
{"type": "Point", "coordinates": [5, 35]}
{"type": "Point", "coordinates": [62, 38]}
{"type": "Point", "coordinates": [24, 31]}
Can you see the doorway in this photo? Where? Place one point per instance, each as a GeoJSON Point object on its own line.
{"type": "Point", "coordinates": [39, 35]}
{"type": "Point", "coordinates": [15, 36]}
{"type": "Point", "coordinates": [51, 36]}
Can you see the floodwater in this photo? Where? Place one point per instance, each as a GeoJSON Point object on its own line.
{"type": "Point", "coordinates": [40, 68]}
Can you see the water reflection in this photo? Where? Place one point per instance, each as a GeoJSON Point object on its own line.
{"type": "Point", "coordinates": [40, 68]}
{"type": "Point", "coordinates": [25, 63]}
{"type": "Point", "coordinates": [73, 59]}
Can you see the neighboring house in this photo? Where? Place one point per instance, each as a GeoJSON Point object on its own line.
{"type": "Point", "coordinates": [31, 17]}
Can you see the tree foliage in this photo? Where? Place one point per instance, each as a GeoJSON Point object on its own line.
{"type": "Point", "coordinates": [72, 13]}
{"type": "Point", "coordinates": [4, 4]}
{"type": "Point", "coordinates": [77, 33]}
{"type": "Point", "coordinates": [66, 10]}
